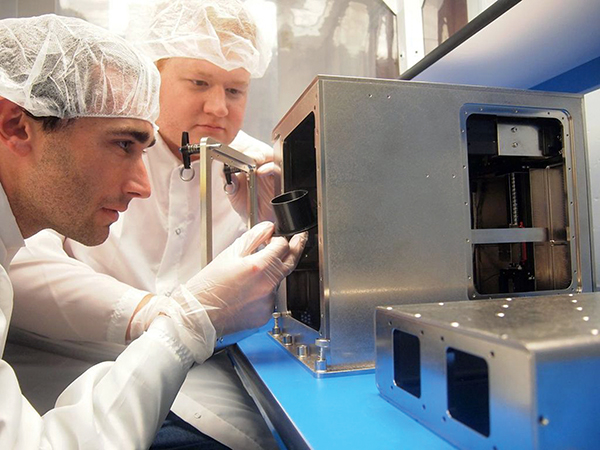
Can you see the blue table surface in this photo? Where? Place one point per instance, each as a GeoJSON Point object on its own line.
{"type": "Point", "coordinates": [344, 411]}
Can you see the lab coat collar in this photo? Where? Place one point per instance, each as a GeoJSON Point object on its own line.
{"type": "Point", "coordinates": [11, 239]}
{"type": "Point", "coordinates": [161, 153]}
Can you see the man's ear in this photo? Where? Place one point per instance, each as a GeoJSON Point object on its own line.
{"type": "Point", "coordinates": [15, 128]}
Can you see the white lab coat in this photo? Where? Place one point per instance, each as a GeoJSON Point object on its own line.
{"type": "Point", "coordinates": [114, 405]}
{"type": "Point", "coordinates": [89, 293]}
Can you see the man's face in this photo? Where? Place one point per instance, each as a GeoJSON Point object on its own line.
{"type": "Point", "coordinates": [198, 97]}
{"type": "Point", "coordinates": [86, 173]}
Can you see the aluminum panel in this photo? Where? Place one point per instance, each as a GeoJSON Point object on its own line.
{"type": "Point", "coordinates": [393, 204]}
{"type": "Point", "coordinates": [540, 353]}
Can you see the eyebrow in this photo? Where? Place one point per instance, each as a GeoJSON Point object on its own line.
{"type": "Point", "coordinates": [140, 136]}
{"type": "Point", "coordinates": [210, 77]}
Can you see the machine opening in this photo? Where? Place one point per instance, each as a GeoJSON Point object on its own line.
{"type": "Point", "coordinates": [518, 199]}
{"type": "Point", "coordinates": [300, 169]}
{"type": "Point", "coordinates": [407, 362]}
{"type": "Point", "coordinates": [468, 390]}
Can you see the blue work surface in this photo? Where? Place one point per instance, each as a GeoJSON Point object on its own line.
{"type": "Point", "coordinates": [336, 412]}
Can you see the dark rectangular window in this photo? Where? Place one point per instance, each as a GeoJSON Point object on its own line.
{"type": "Point", "coordinates": [468, 390]}
{"type": "Point", "coordinates": [407, 362]}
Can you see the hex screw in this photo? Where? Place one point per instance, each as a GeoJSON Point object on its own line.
{"type": "Point", "coordinates": [302, 351]}
{"type": "Point", "coordinates": [287, 339]}
{"type": "Point", "coordinates": [276, 330]}
{"type": "Point", "coordinates": [321, 362]}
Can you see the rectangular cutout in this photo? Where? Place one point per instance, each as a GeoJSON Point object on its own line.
{"type": "Point", "coordinates": [468, 390]}
{"type": "Point", "coordinates": [300, 168]}
{"type": "Point", "coordinates": [407, 362]}
{"type": "Point", "coordinates": [517, 185]}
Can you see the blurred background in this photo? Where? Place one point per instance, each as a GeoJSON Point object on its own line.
{"type": "Point", "coordinates": [386, 38]}
{"type": "Point", "coordinates": [366, 38]}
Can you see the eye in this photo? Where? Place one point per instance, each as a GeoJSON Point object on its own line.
{"type": "Point", "coordinates": [235, 92]}
{"type": "Point", "coordinates": [199, 82]}
{"type": "Point", "coordinates": [125, 145]}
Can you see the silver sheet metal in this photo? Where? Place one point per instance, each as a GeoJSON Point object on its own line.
{"type": "Point", "coordinates": [391, 183]}
{"type": "Point", "coordinates": [538, 356]}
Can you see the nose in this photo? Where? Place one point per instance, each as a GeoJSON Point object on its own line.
{"type": "Point", "coordinates": [215, 102]}
{"type": "Point", "coordinates": [138, 183]}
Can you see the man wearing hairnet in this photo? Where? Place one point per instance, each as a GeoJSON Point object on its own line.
{"type": "Point", "coordinates": [77, 110]}
{"type": "Point", "coordinates": [206, 52]}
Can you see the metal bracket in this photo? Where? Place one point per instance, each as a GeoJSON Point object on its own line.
{"type": "Point", "coordinates": [209, 150]}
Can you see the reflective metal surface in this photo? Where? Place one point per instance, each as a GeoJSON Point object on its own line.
{"type": "Point", "coordinates": [210, 150]}
{"type": "Point", "coordinates": [308, 37]}
{"type": "Point", "coordinates": [505, 373]}
{"type": "Point", "coordinates": [399, 174]}
{"type": "Point", "coordinates": [357, 38]}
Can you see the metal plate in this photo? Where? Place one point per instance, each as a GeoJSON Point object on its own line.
{"type": "Point", "coordinates": [537, 361]}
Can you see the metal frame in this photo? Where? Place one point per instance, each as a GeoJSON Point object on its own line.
{"type": "Point", "coordinates": [541, 355]}
{"type": "Point", "coordinates": [210, 149]}
{"type": "Point", "coordinates": [415, 147]}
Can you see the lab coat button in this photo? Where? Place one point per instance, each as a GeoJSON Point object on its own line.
{"type": "Point", "coordinates": [178, 231]}
{"type": "Point", "coordinates": [197, 415]}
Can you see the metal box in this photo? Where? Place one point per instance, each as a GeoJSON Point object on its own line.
{"type": "Point", "coordinates": [426, 192]}
{"type": "Point", "coordinates": [513, 373]}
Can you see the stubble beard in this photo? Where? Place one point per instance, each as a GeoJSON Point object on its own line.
{"type": "Point", "coordinates": [61, 197]}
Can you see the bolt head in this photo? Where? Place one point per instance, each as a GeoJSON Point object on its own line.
{"type": "Point", "coordinates": [322, 343]}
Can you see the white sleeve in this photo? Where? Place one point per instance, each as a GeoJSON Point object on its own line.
{"type": "Point", "coordinates": [62, 298]}
{"type": "Point", "coordinates": [245, 143]}
{"type": "Point", "coordinates": [113, 405]}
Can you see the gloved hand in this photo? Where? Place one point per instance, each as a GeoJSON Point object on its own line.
{"type": "Point", "coordinates": [266, 172]}
{"type": "Point", "coordinates": [235, 292]}
{"type": "Point", "coordinates": [238, 287]}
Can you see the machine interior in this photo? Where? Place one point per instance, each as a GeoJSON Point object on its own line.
{"type": "Point", "coordinates": [518, 196]}
{"type": "Point", "coordinates": [300, 172]}
{"type": "Point", "coordinates": [518, 208]}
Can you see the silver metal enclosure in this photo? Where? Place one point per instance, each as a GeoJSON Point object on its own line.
{"type": "Point", "coordinates": [425, 193]}
{"type": "Point", "coordinates": [513, 373]}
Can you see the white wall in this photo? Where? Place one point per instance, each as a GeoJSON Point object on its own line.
{"type": "Point", "coordinates": [410, 33]}
{"type": "Point", "coordinates": [410, 27]}
{"type": "Point", "coordinates": [592, 112]}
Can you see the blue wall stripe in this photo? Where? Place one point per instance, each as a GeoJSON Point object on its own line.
{"type": "Point", "coordinates": [580, 80]}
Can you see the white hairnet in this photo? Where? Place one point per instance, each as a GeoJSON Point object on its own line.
{"type": "Point", "coordinates": [222, 32]}
{"type": "Point", "coordinates": [67, 68]}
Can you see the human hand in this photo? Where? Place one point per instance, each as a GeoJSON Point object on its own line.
{"type": "Point", "coordinates": [267, 170]}
{"type": "Point", "coordinates": [237, 289]}
{"type": "Point", "coordinates": [235, 292]}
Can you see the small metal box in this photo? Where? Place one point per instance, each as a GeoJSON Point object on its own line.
{"type": "Point", "coordinates": [512, 373]}
{"type": "Point", "coordinates": [426, 192]}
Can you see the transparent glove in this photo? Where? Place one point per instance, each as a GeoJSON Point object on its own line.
{"type": "Point", "coordinates": [266, 172]}
{"type": "Point", "coordinates": [190, 324]}
{"type": "Point", "coordinates": [237, 289]}
{"type": "Point", "coordinates": [235, 292]}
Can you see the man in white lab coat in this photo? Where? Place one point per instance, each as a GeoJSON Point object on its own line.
{"type": "Point", "coordinates": [77, 110]}
{"type": "Point", "coordinates": [206, 52]}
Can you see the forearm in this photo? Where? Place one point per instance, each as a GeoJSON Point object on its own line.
{"type": "Point", "coordinates": [78, 303]}
{"type": "Point", "coordinates": [125, 402]}
{"type": "Point", "coordinates": [112, 405]}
